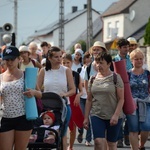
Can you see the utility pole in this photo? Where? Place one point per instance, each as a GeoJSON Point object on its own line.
{"type": "Point", "coordinates": [89, 24]}
{"type": "Point", "coordinates": [61, 23]}
{"type": "Point", "coordinates": [15, 19]}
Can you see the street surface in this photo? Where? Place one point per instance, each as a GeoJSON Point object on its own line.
{"type": "Point", "coordinates": [78, 146]}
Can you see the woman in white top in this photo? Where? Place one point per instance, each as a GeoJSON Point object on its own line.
{"type": "Point", "coordinates": [15, 128]}
{"type": "Point", "coordinates": [58, 79]}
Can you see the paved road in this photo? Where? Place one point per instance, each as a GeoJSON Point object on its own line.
{"type": "Point", "coordinates": [82, 146]}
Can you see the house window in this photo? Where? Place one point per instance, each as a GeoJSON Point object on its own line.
{"type": "Point", "coordinates": [109, 29]}
{"type": "Point", "coordinates": [116, 28]}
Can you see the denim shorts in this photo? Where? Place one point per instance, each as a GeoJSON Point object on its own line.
{"type": "Point", "coordinates": [18, 123]}
{"type": "Point", "coordinates": [102, 129]}
{"type": "Point", "coordinates": [133, 122]}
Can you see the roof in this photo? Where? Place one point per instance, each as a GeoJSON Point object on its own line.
{"type": "Point", "coordinates": [122, 6]}
{"type": "Point", "coordinates": [50, 28]}
{"type": "Point", "coordinates": [97, 27]}
{"type": "Point", "coordinates": [139, 33]}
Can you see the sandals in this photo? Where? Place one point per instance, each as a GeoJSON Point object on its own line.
{"type": "Point", "coordinates": [80, 138]}
{"type": "Point", "coordinates": [87, 143]}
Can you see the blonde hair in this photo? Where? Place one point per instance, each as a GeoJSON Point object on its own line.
{"type": "Point", "coordinates": [135, 52]}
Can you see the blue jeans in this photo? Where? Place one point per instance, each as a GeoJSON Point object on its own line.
{"type": "Point", "coordinates": [81, 130]}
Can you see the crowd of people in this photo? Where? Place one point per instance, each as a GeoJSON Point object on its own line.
{"type": "Point", "coordinates": [94, 93]}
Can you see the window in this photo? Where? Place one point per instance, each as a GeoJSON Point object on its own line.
{"type": "Point", "coordinates": [109, 30]}
{"type": "Point", "coordinates": [117, 28]}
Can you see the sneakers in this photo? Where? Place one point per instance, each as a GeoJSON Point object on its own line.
{"type": "Point", "coordinates": [120, 144]}
{"type": "Point", "coordinates": [80, 138]}
{"type": "Point", "coordinates": [126, 140]}
{"type": "Point", "coordinates": [87, 143]}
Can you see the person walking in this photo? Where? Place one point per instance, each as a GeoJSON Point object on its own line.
{"type": "Point", "coordinates": [105, 101]}
{"type": "Point", "coordinates": [58, 79]}
{"type": "Point", "coordinates": [15, 128]}
{"type": "Point", "coordinates": [139, 121]}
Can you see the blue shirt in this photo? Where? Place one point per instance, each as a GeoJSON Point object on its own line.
{"type": "Point", "coordinates": [128, 61]}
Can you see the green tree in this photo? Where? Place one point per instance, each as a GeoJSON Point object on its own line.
{"type": "Point", "coordinates": [147, 34]}
{"type": "Point", "coordinates": [83, 45]}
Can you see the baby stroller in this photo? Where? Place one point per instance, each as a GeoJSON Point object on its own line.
{"type": "Point", "coordinates": [50, 101]}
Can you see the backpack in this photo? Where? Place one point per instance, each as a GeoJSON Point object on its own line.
{"type": "Point", "coordinates": [76, 78]}
{"type": "Point", "coordinates": [79, 70]}
{"type": "Point", "coordinates": [33, 62]}
{"type": "Point", "coordinates": [88, 69]}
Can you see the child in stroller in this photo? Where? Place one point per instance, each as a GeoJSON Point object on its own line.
{"type": "Point", "coordinates": [50, 102]}
{"type": "Point", "coordinates": [48, 118]}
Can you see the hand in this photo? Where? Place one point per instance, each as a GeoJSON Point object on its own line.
{"type": "Point", "coordinates": [29, 93]}
{"type": "Point", "coordinates": [77, 100]}
{"type": "Point", "coordinates": [62, 95]}
{"type": "Point", "coordinates": [86, 123]}
{"type": "Point", "coordinates": [114, 120]}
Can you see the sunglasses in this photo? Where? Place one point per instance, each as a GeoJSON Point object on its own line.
{"type": "Point", "coordinates": [12, 59]}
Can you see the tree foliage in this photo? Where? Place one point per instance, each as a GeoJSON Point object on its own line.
{"type": "Point", "coordinates": [83, 45]}
{"type": "Point", "coordinates": [147, 34]}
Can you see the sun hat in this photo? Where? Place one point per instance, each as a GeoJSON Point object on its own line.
{"type": "Point", "coordinates": [132, 40]}
{"type": "Point", "coordinates": [10, 52]}
{"type": "Point", "coordinates": [24, 48]}
{"type": "Point", "coordinates": [50, 114]}
{"type": "Point", "coordinates": [100, 44]}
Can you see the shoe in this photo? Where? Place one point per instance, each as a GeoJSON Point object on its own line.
{"type": "Point", "coordinates": [142, 148]}
{"type": "Point", "coordinates": [126, 140]}
{"type": "Point", "coordinates": [120, 144]}
{"type": "Point", "coordinates": [88, 143]}
{"type": "Point", "coordinates": [80, 138]}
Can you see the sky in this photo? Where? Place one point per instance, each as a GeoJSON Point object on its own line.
{"type": "Point", "coordinates": [37, 14]}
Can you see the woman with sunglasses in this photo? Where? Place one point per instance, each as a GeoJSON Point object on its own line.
{"type": "Point", "coordinates": [15, 128]}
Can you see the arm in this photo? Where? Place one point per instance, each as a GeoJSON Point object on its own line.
{"type": "Point", "coordinates": [120, 98]}
{"type": "Point", "coordinates": [38, 65]}
{"type": "Point", "coordinates": [70, 83]}
{"type": "Point", "coordinates": [87, 110]}
{"type": "Point", "coordinates": [40, 78]}
{"type": "Point", "coordinates": [77, 98]}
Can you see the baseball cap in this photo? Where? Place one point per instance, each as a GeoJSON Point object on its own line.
{"type": "Point", "coordinates": [100, 44]}
{"type": "Point", "coordinates": [132, 40]}
{"type": "Point", "coordinates": [10, 52]}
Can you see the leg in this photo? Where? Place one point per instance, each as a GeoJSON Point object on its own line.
{"type": "Point", "coordinates": [112, 145]}
{"type": "Point", "coordinates": [100, 144]}
{"type": "Point", "coordinates": [64, 140]}
{"type": "Point", "coordinates": [133, 137]}
{"type": "Point", "coordinates": [143, 138]}
{"type": "Point", "coordinates": [126, 134]}
{"type": "Point", "coordinates": [99, 133]}
{"type": "Point", "coordinates": [81, 130]}
{"type": "Point", "coordinates": [50, 139]}
{"type": "Point", "coordinates": [7, 140]}
{"type": "Point", "coordinates": [22, 139]}
{"type": "Point", "coordinates": [72, 137]}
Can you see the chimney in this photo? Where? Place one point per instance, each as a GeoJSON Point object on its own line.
{"type": "Point", "coordinates": [85, 6]}
{"type": "Point", "coordinates": [74, 9]}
